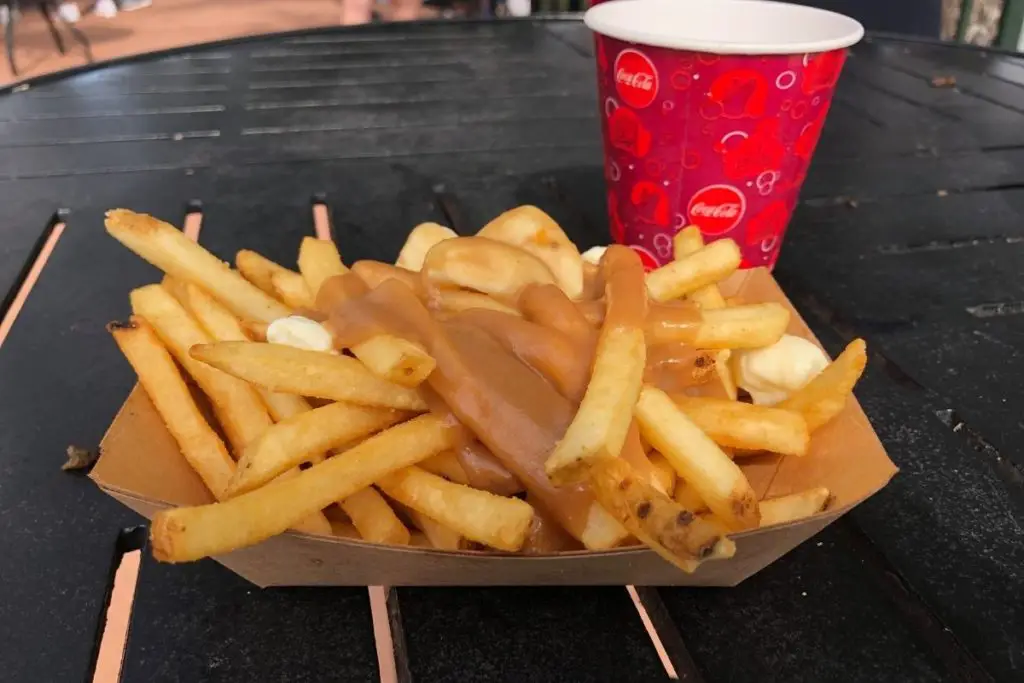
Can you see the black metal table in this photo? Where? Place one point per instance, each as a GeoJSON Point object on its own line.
{"type": "Point", "coordinates": [910, 233]}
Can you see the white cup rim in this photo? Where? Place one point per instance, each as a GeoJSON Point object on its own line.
{"type": "Point", "coordinates": [745, 27]}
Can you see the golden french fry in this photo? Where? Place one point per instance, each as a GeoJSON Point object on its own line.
{"type": "Point", "coordinates": [446, 465]}
{"type": "Point", "coordinates": [166, 388]}
{"type": "Point", "coordinates": [191, 533]}
{"type": "Point", "coordinates": [307, 373]}
{"type": "Point", "coordinates": [697, 459]}
{"type": "Point", "coordinates": [671, 531]}
{"type": "Point", "coordinates": [374, 518]}
{"type": "Point", "coordinates": [794, 506]}
{"type": "Point", "coordinates": [483, 265]}
{"type": "Point", "coordinates": [665, 473]}
{"type": "Point", "coordinates": [435, 534]}
{"type": "Point", "coordinates": [687, 496]}
{"type": "Point", "coordinates": [395, 359]}
{"type": "Point", "coordinates": [292, 289]}
{"type": "Point", "coordinates": [344, 529]}
{"type": "Point", "coordinates": [458, 300]}
{"type": "Point", "coordinates": [256, 331]}
{"type": "Point", "coordinates": [171, 251]}
{"type": "Point", "coordinates": [238, 407]}
{"type": "Point", "coordinates": [259, 270]}
{"type": "Point", "coordinates": [699, 269]}
{"type": "Point", "coordinates": [747, 426]}
{"type": "Point", "coordinates": [480, 516]}
{"type": "Point", "coordinates": [753, 326]}
{"type": "Point", "coordinates": [199, 443]}
{"type": "Point", "coordinates": [724, 372]}
{"type": "Point", "coordinates": [825, 396]}
{"type": "Point", "coordinates": [221, 325]}
{"type": "Point", "coordinates": [532, 230]}
{"type": "Point", "coordinates": [315, 523]}
{"type": "Point", "coordinates": [687, 241]}
{"type": "Point", "coordinates": [319, 260]}
{"type": "Point", "coordinates": [422, 238]}
{"type": "Point", "coordinates": [305, 436]}
{"type": "Point", "coordinates": [602, 422]}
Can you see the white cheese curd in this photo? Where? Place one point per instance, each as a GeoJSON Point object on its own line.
{"type": "Point", "coordinates": [300, 332]}
{"type": "Point", "coordinates": [593, 255]}
{"type": "Point", "coordinates": [774, 372]}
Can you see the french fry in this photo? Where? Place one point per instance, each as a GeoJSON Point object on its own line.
{"type": "Point", "coordinates": [221, 325]}
{"type": "Point", "coordinates": [191, 533]}
{"type": "Point", "coordinates": [446, 465]}
{"type": "Point", "coordinates": [374, 518]}
{"type": "Point", "coordinates": [480, 516]}
{"type": "Point", "coordinates": [307, 373]}
{"type": "Point", "coordinates": [532, 230]}
{"type": "Point", "coordinates": [687, 496]}
{"type": "Point", "coordinates": [671, 531]}
{"type": "Point", "coordinates": [602, 422]}
{"type": "Point", "coordinates": [458, 300]}
{"type": "Point", "coordinates": [794, 506]}
{"type": "Point", "coordinates": [422, 238]}
{"type": "Point", "coordinates": [825, 396]}
{"type": "Point", "coordinates": [292, 289]}
{"type": "Point", "coordinates": [690, 273]}
{"type": "Point", "coordinates": [665, 473]}
{"type": "Point", "coordinates": [319, 260]}
{"type": "Point", "coordinates": [600, 425]}
{"type": "Point", "coordinates": [172, 252]}
{"type": "Point", "coordinates": [483, 265]}
{"type": "Point", "coordinates": [315, 523]}
{"type": "Point", "coordinates": [435, 534]}
{"type": "Point", "coordinates": [166, 388]}
{"type": "Point", "coordinates": [687, 241]}
{"type": "Point", "coordinates": [256, 331]}
{"type": "Point", "coordinates": [238, 407]}
{"type": "Point", "coordinates": [746, 426]}
{"type": "Point", "coordinates": [395, 359]}
{"type": "Point", "coordinates": [305, 436]}
{"type": "Point", "coordinates": [753, 326]}
{"type": "Point", "coordinates": [259, 270]}
{"type": "Point", "coordinates": [697, 459]}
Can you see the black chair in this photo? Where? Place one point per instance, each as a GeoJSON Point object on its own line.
{"type": "Point", "coordinates": [48, 8]}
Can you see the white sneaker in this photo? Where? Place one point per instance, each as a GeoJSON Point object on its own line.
{"type": "Point", "coordinates": [105, 8]}
{"type": "Point", "coordinates": [69, 12]}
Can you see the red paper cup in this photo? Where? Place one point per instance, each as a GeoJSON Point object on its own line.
{"type": "Point", "coordinates": [710, 112]}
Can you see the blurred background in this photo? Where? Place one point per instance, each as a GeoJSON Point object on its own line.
{"type": "Point", "coordinates": [36, 31]}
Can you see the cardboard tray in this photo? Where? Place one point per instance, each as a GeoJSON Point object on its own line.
{"type": "Point", "coordinates": [141, 466]}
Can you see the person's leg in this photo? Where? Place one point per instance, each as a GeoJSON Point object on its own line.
{"type": "Point", "coordinates": [405, 10]}
{"type": "Point", "coordinates": [356, 12]}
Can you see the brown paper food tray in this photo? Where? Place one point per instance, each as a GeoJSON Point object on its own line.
{"type": "Point", "coordinates": [142, 467]}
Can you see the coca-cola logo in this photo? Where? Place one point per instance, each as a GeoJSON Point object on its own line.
{"type": "Point", "coordinates": [636, 79]}
{"type": "Point", "coordinates": [717, 209]}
